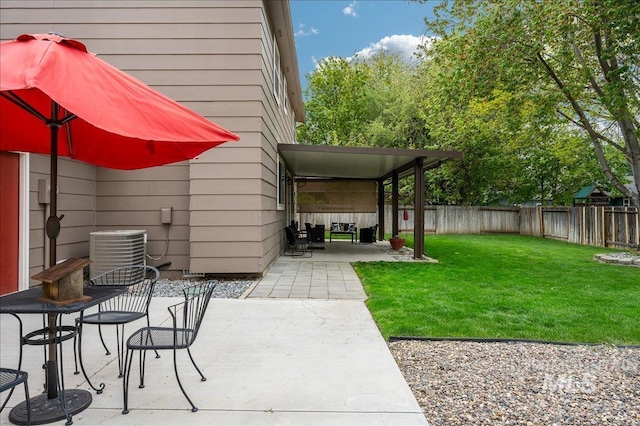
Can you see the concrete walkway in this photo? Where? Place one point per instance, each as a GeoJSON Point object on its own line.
{"type": "Point", "coordinates": [327, 274]}
{"type": "Point", "coordinates": [284, 358]}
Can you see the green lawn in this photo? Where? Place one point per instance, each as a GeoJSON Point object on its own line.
{"type": "Point", "coordinates": [496, 286]}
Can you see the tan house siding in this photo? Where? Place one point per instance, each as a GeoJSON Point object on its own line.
{"type": "Point", "coordinates": [215, 57]}
{"type": "Point", "coordinates": [76, 201]}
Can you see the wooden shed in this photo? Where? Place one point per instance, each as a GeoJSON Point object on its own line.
{"type": "Point", "coordinates": [591, 196]}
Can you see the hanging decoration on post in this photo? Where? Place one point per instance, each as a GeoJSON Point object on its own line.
{"type": "Point", "coordinates": [405, 216]}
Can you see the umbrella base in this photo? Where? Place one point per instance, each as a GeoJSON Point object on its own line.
{"type": "Point", "coordinates": [45, 410]}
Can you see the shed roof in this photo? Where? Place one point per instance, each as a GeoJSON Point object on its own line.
{"type": "Point", "coordinates": [586, 192]}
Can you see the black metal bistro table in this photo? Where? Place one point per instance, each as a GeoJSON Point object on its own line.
{"type": "Point", "coordinates": [56, 403]}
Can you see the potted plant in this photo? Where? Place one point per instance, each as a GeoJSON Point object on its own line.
{"type": "Point", "coordinates": [396, 242]}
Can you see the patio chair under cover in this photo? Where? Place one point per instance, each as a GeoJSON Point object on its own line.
{"type": "Point", "coordinates": [296, 246]}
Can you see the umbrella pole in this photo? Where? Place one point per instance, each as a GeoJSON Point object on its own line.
{"type": "Point", "coordinates": [53, 223]}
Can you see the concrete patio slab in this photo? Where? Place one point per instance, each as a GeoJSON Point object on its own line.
{"type": "Point", "coordinates": [267, 362]}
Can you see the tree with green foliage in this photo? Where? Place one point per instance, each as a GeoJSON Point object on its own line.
{"type": "Point", "coordinates": [365, 102]}
{"type": "Point", "coordinates": [356, 102]}
{"type": "Point", "coordinates": [510, 139]}
{"type": "Point", "coordinates": [338, 108]}
{"type": "Point", "coordinates": [580, 58]}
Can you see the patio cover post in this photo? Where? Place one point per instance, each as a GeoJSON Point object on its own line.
{"type": "Point", "coordinates": [418, 216]}
{"type": "Point", "coordinates": [380, 235]}
{"type": "Point", "coordinates": [394, 203]}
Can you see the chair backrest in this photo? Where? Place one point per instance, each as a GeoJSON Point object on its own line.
{"type": "Point", "coordinates": [141, 280]}
{"type": "Point", "coordinates": [187, 316]}
{"type": "Point", "coordinates": [126, 275]}
{"type": "Point", "coordinates": [307, 227]}
{"type": "Point", "coordinates": [291, 236]}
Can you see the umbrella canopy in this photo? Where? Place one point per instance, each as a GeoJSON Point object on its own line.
{"type": "Point", "coordinates": [57, 98]}
{"type": "Point", "coordinates": [110, 118]}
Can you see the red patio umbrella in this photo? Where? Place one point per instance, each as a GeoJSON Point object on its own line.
{"type": "Point", "coordinates": [57, 98]}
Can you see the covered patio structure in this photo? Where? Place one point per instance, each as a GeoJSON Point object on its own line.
{"type": "Point", "coordinates": [314, 162]}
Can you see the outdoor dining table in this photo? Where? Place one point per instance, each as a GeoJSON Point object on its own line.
{"type": "Point", "coordinates": [56, 403]}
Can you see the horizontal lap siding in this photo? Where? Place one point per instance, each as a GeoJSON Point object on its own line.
{"type": "Point", "coordinates": [233, 205]}
{"type": "Point", "coordinates": [76, 202]}
{"type": "Point", "coordinates": [208, 56]}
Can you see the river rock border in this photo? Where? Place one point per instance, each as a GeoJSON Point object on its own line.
{"type": "Point", "coordinates": [625, 259]}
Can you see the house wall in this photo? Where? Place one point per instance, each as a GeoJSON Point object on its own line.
{"type": "Point", "coordinates": [76, 201]}
{"type": "Point", "coordinates": [215, 57]}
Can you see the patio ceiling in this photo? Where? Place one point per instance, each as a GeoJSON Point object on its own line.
{"type": "Point", "coordinates": [342, 162]}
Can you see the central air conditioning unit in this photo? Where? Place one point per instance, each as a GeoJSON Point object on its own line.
{"type": "Point", "coordinates": [114, 249]}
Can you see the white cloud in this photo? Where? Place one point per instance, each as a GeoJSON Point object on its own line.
{"type": "Point", "coordinates": [302, 32]}
{"type": "Point", "coordinates": [351, 9]}
{"type": "Point", "coordinates": [403, 45]}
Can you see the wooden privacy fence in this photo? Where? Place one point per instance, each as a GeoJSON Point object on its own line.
{"type": "Point", "coordinates": [617, 227]}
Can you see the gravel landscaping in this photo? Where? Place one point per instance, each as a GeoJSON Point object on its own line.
{"type": "Point", "coordinates": [470, 383]}
{"type": "Point", "coordinates": [226, 289]}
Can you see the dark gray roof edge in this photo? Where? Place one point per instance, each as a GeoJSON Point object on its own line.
{"type": "Point", "coordinates": [416, 153]}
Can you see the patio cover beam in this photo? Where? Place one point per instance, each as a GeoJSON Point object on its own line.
{"type": "Point", "coordinates": [418, 213]}
{"type": "Point", "coordinates": [394, 203]}
{"type": "Point", "coordinates": [380, 209]}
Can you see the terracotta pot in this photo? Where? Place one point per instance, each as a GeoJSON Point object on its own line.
{"type": "Point", "coordinates": [397, 243]}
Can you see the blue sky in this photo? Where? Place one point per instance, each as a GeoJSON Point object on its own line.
{"type": "Point", "coordinates": [325, 28]}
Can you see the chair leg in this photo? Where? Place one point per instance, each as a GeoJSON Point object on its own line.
{"type": "Point", "coordinates": [125, 380]}
{"type": "Point", "coordinates": [19, 359]}
{"type": "Point", "coordinates": [120, 347]}
{"type": "Point", "coordinates": [26, 394]}
{"type": "Point", "coordinates": [84, 372]}
{"type": "Point", "coordinates": [143, 363]}
{"type": "Point", "coordinates": [104, 345]}
{"type": "Point", "coordinates": [149, 325]}
{"type": "Point", "coordinates": [175, 368]}
{"type": "Point", "coordinates": [202, 378]}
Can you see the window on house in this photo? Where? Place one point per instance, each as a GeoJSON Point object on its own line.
{"type": "Point", "coordinates": [276, 71]}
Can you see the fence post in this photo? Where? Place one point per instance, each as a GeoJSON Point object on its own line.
{"type": "Point", "coordinates": [627, 240]}
{"type": "Point", "coordinates": [584, 225]}
{"type": "Point", "coordinates": [604, 227]}
{"type": "Point", "coordinates": [638, 227]}
{"type": "Point", "coordinates": [541, 218]}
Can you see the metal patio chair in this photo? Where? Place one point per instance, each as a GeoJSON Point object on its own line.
{"type": "Point", "coordinates": [121, 310]}
{"type": "Point", "coordinates": [186, 320]}
{"type": "Point", "coordinates": [296, 246]}
{"type": "Point", "coordinates": [9, 379]}
{"type": "Point", "coordinates": [368, 235]}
